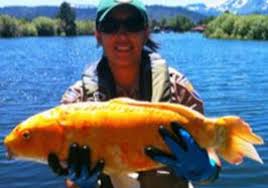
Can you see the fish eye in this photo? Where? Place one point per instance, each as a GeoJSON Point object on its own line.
{"type": "Point", "coordinates": [26, 135]}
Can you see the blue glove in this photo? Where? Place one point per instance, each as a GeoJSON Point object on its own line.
{"type": "Point", "coordinates": [187, 159]}
{"type": "Point", "coordinates": [78, 169]}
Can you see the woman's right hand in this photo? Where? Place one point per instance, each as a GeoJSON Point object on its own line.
{"type": "Point", "coordinates": [78, 167]}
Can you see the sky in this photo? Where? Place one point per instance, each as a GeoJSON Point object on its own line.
{"type": "Point", "coordinates": [95, 2]}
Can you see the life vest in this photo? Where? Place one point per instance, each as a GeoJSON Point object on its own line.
{"type": "Point", "coordinates": [98, 82]}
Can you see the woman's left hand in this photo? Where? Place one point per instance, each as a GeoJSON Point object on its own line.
{"type": "Point", "coordinates": [187, 159]}
{"type": "Point", "coordinates": [79, 167]}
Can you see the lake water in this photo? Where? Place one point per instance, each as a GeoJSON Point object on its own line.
{"type": "Point", "coordinates": [231, 77]}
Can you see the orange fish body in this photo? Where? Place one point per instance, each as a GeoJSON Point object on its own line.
{"type": "Point", "coordinates": [117, 131]}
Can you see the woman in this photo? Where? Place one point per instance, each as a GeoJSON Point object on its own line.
{"type": "Point", "coordinates": [130, 67]}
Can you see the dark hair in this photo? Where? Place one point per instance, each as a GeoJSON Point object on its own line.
{"type": "Point", "coordinates": [152, 45]}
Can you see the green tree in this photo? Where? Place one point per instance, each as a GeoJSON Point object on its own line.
{"type": "Point", "coordinates": [228, 23]}
{"type": "Point", "coordinates": [67, 16]}
{"type": "Point", "coordinates": [265, 28]}
{"type": "Point", "coordinates": [206, 20]}
{"type": "Point", "coordinates": [163, 23]}
{"type": "Point", "coordinates": [84, 27]}
{"type": "Point", "coordinates": [9, 26]}
{"type": "Point", "coordinates": [28, 29]}
{"type": "Point", "coordinates": [219, 33]}
{"type": "Point", "coordinates": [216, 25]}
{"type": "Point", "coordinates": [180, 23]}
{"type": "Point", "coordinates": [258, 27]}
{"type": "Point", "coordinates": [45, 26]}
{"type": "Point", "coordinates": [250, 27]}
{"type": "Point", "coordinates": [241, 28]}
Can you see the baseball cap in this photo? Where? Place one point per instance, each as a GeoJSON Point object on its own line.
{"type": "Point", "coordinates": [105, 6]}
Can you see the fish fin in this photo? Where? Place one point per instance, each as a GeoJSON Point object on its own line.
{"type": "Point", "coordinates": [184, 111]}
{"type": "Point", "coordinates": [238, 140]}
{"type": "Point", "coordinates": [124, 100]}
{"type": "Point", "coordinates": [124, 181]}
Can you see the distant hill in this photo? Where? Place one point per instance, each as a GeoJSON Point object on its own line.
{"type": "Point", "coordinates": [48, 11]}
{"type": "Point", "coordinates": [157, 12]}
{"type": "Point", "coordinates": [203, 9]}
{"type": "Point", "coordinates": [29, 12]}
{"type": "Point", "coordinates": [83, 13]}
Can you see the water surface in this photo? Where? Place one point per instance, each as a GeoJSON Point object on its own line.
{"type": "Point", "coordinates": [231, 77]}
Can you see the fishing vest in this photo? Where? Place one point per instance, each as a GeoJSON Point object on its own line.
{"type": "Point", "coordinates": [98, 83]}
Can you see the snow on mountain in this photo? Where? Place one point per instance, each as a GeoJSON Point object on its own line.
{"type": "Point", "coordinates": [244, 6]}
{"type": "Point", "coordinates": [202, 9]}
{"type": "Point", "coordinates": [234, 6]}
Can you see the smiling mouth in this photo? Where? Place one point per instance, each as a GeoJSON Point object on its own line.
{"type": "Point", "coordinates": [123, 48]}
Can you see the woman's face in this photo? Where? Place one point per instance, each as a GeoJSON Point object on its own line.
{"type": "Point", "coordinates": [122, 47]}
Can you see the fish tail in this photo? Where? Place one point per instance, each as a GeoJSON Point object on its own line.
{"type": "Point", "coordinates": [237, 140]}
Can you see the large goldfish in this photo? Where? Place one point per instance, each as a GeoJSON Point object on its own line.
{"type": "Point", "coordinates": [118, 130]}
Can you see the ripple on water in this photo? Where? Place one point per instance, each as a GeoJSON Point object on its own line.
{"type": "Point", "coordinates": [230, 76]}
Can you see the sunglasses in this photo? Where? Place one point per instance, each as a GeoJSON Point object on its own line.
{"type": "Point", "coordinates": [131, 24]}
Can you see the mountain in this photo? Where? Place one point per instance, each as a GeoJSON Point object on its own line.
{"type": "Point", "coordinates": [203, 9]}
{"type": "Point", "coordinates": [89, 12]}
{"type": "Point", "coordinates": [195, 12]}
{"type": "Point", "coordinates": [82, 13]}
{"type": "Point", "coordinates": [29, 12]}
{"type": "Point", "coordinates": [244, 6]}
{"type": "Point", "coordinates": [241, 7]}
{"type": "Point", "coordinates": [157, 12]}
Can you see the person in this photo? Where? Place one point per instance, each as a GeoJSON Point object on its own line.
{"type": "Point", "coordinates": [131, 67]}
